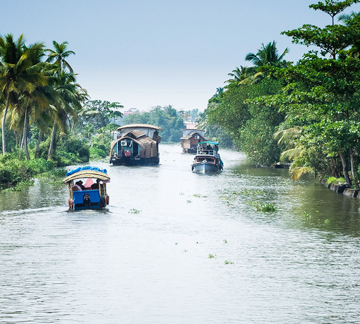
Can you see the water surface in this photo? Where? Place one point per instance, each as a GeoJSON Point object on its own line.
{"type": "Point", "coordinates": [147, 259]}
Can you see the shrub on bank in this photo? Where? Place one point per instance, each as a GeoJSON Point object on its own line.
{"type": "Point", "coordinates": [14, 170]}
{"type": "Point", "coordinates": [333, 180]}
{"type": "Point", "coordinates": [98, 152]}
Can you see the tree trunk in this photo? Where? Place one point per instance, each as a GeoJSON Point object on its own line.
{"type": "Point", "coordinates": [353, 174]}
{"type": "Point", "coordinates": [25, 135]}
{"type": "Point", "coordinates": [52, 142]}
{"type": "Point", "coordinates": [37, 145]}
{"type": "Point", "coordinates": [3, 125]}
{"type": "Point", "coordinates": [16, 138]}
{"type": "Point", "coordinates": [344, 166]}
{"type": "Point", "coordinates": [21, 142]}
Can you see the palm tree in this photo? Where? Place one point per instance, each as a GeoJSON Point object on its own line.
{"type": "Point", "coordinates": [19, 72]}
{"type": "Point", "coordinates": [59, 55]}
{"type": "Point", "coordinates": [267, 55]}
{"type": "Point", "coordinates": [243, 75]}
{"type": "Point", "coordinates": [70, 96]}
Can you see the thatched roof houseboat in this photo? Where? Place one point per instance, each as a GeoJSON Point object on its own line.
{"type": "Point", "coordinates": [190, 139]}
{"type": "Point", "coordinates": [136, 144]}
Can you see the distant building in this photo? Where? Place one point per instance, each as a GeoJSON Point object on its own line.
{"type": "Point", "coordinates": [191, 125]}
{"type": "Point", "coordinates": [120, 121]}
{"type": "Point", "coordinates": [191, 137]}
{"type": "Point", "coordinates": [131, 111]}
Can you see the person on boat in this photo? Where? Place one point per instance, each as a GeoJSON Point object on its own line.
{"type": "Point", "coordinates": [95, 185]}
{"type": "Point", "coordinates": [79, 185]}
{"type": "Point", "coordinates": [89, 182]}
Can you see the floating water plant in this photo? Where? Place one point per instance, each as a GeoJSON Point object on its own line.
{"type": "Point", "coordinates": [307, 215]}
{"type": "Point", "coordinates": [225, 241]}
{"type": "Point", "coordinates": [211, 256]}
{"type": "Point", "coordinates": [199, 196]}
{"type": "Point", "coordinates": [228, 262]}
{"type": "Point", "coordinates": [134, 211]}
{"type": "Point", "coordinates": [188, 201]}
{"type": "Point", "coordinates": [265, 207]}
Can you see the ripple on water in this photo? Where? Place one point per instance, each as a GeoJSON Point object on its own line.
{"type": "Point", "coordinates": [195, 251]}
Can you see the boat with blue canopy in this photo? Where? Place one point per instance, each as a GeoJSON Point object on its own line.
{"type": "Point", "coordinates": [207, 158]}
{"type": "Point", "coordinates": [87, 188]}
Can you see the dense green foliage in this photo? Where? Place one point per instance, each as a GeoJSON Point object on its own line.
{"type": "Point", "coordinates": [14, 170]}
{"type": "Point", "coordinates": [94, 125]}
{"type": "Point", "coordinates": [309, 108]}
{"type": "Point", "coordinates": [251, 126]}
{"type": "Point", "coordinates": [168, 118]}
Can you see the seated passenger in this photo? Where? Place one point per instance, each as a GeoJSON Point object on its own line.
{"type": "Point", "coordinates": [88, 183]}
{"type": "Point", "coordinates": [80, 186]}
{"type": "Point", "coordinates": [95, 185]}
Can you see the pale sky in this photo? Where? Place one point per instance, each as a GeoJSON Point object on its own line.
{"type": "Point", "coordinates": [144, 53]}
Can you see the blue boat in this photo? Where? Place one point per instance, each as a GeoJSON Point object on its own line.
{"type": "Point", "coordinates": [207, 158]}
{"type": "Point", "coordinates": [87, 188]}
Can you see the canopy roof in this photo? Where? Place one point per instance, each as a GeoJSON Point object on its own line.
{"type": "Point", "coordinates": [140, 126]}
{"type": "Point", "coordinates": [191, 135]}
{"type": "Point", "coordinates": [87, 174]}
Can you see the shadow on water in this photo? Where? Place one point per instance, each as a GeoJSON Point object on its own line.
{"type": "Point", "coordinates": [302, 203]}
{"type": "Point", "coordinates": [147, 259]}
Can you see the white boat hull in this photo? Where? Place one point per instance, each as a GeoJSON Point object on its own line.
{"type": "Point", "coordinates": [205, 167]}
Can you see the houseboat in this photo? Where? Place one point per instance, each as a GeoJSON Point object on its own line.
{"type": "Point", "coordinates": [207, 158]}
{"type": "Point", "coordinates": [87, 188]}
{"type": "Point", "coordinates": [191, 138]}
{"type": "Point", "coordinates": [136, 144]}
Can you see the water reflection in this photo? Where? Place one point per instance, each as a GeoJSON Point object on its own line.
{"type": "Point", "coordinates": [299, 264]}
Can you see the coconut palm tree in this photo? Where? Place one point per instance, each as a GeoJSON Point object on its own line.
{"type": "Point", "coordinates": [267, 55]}
{"type": "Point", "coordinates": [59, 55]}
{"type": "Point", "coordinates": [70, 96]}
{"type": "Point", "coordinates": [19, 72]}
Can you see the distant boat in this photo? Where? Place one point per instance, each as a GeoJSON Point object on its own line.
{"type": "Point", "coordinates": [207, 158]}
{"type": "Point", "coordinates": [190, 139]}
{"type": "Point", "coordinates": [90, 193]}
{"type": "Point", "coordinates": [136, 144]}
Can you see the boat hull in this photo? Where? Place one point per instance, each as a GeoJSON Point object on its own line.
{"type": "Point", "coordinates": [131, 161]}
{"type": "Point", "coordinates": [205, 167]}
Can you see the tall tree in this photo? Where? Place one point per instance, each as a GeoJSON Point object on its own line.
{"type": "Point", "coordinates": [322, 94]}
{"type": "Point", "coordinates": [59, 54]}
{"type": "Point", "coordinates": [18, 72]}
{"type": "Point", "coordinates": [267, 55]}
{"type": "Point", "coordinates": [69, 100]}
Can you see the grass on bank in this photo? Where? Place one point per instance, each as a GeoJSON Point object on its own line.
{"type": "Point", "coordinates": [17, 173]}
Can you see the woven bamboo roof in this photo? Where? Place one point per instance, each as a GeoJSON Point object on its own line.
{"type": "Point", "coordinates": [190, 135]}
{"type": "Point", "coordinates": [87, 174]}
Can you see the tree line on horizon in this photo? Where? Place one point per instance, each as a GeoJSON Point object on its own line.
{"type": "Point", "coordinates": [306, 113]}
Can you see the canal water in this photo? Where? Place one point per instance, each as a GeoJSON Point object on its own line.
{"type": "Point", "coordinates": [178, 247]}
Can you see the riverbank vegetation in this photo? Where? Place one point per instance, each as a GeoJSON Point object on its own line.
{"type": "Point", "coordinates": [304, 113]}
{"type": "Point", "coordinates": [48, 119]}
{"type": "Point", "coordinates": [168, 118]}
